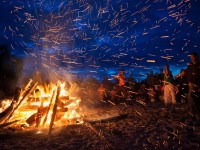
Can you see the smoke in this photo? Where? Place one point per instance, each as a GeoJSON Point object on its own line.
{"type": "Point", "coordinates": [43, 71]}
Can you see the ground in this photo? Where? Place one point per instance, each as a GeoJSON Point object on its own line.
{"type": "Point", "coordinates": [133, 125]}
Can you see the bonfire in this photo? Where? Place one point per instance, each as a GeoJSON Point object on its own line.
{"type": "Point", "coordinates": [41, 106]}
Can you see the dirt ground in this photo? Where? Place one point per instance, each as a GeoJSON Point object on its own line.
{"type": "Point", "coordinates": [127, 126]}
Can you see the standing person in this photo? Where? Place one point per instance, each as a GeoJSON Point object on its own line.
{"type": "Point", "coordinates": [131, 82]}
{"type": "Point", "coordinates": [156, 82]}
{"type": "Point", "coordinates": [161, 77]}
{"type": "Point", "coordinates": [161, 81]}
{"type": "Point", "coordinates": [150, 79]}
{"type": "Point", "coordinates": [192, 74]}
{"type": "Point", "coordinates": [167, 68]}
{"type": "Point", "coordinates": [169, 90]}
{"type": "Point", "coordinates": [121, 90]}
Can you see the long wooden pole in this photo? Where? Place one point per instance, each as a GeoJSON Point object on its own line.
{"type": "Point", "coordinates": [52, 97]}
{"type": "Point", "coordinates": [54, 111]}
{"type": "Point", "coordinates": [4, 115]}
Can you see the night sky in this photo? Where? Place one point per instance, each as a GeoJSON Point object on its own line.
{"type": "Point", "coordinates": [97, 37]}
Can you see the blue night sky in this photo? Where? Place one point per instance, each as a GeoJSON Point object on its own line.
{"type": "Point", "coordinates": [97, 37]}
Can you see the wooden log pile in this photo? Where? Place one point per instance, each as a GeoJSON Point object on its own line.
{"type": "Point", "coordinates": [23, 95]}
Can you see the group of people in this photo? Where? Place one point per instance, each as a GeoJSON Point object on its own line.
{"type": "Point", "coordinates": [119, 90]}
{"type": "Point", "coordinates": [170, 88]}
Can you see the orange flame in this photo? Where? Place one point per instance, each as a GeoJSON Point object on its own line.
{"type": "Point", "coordinates": [40, 98]}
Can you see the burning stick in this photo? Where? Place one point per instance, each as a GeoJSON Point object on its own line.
{"type": "Point", "coordinates": [28, 85]}
{"type": "Point", "coordinates": [6, 113]}
{"type": "Point", "coordinates": [23, 99]}
{"type": "Point", "coordinates": [7, 124]}
{"type": "Point", "coordinates": [26, 89]}
{"type": "Point", "coordinates": [45, 119]}
{"type": "Point", "coordinates": [54, 111]}
{"type": "Point", "coordinates": [34, 118]}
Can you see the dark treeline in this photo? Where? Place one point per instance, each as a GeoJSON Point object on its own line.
{"type": "Point", "coordinates": [10, 71]}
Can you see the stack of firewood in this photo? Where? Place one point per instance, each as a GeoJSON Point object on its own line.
{"type": "Point", "coordinates": [22, 96]}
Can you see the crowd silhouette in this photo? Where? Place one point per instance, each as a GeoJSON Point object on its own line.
{"type": "Point", "coordinates": [159, 87]}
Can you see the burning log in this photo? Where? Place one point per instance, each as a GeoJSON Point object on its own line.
{"type": "Point", "coordinates": [34, 118]}
{"type": "Point", "coordinates": [6, 113]}
{"type": "Point", "coordinates": [8, 124]}
{"type": "Point", "coordinates": [54, 111]}
{"type": "Point", "coordinates": [62, 110]}
{"type": "Point", "coordinates": [45, 119]}
{"type": "Point", "coordinates": [23, 99]}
